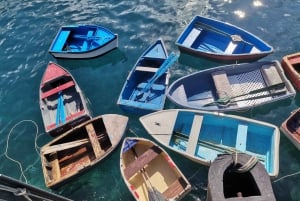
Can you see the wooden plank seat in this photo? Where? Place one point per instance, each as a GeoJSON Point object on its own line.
{"type": "Point", "coordinates": [272, 77]}
{"type": "Point", "coordinates": [175, 188]}
{"type": "Point", "coordinates": [141, 161]}
{"type": "Point", "coordinates": [57, 89]}
{"type": "Point", "coordinates": [241, 138]}
{"type": "Point", "coordinates": [70, 117]}
{"type": "Point", "coordinates": [191, 38]}
{"type": "Point", "coordinates": [94, 140]}
{"type": "Point", "coordinates": [222, 84]}
{"type": "Point", "coordinates": [61, 40]}
{"type": "Point", "coordinates": [231, 47]}
{"type": "Point", "coordinates": [194, 135]}
{"type": "Point", "coordinates": [145, 68]}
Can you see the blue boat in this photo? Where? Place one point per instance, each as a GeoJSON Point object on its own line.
{"type": "Point", "coordinates": [220, 41]}
{"type": "Point", "coordinates": [145, 88]}
{"type": "Point", "coordinates": [235, 87]}
{"type": "Point", "coordinates": [201, 136]}
{"type": "Point", "coordinates": [82, 41]}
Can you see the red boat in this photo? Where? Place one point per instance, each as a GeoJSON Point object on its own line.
{"type": "Point", "coordinates": [62, 102]}
{"type": "Point", "coordinates": [291, 65]}
{"type": "Point", "coordinates": [291, 128]}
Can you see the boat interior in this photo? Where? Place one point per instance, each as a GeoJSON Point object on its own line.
{"type": "Point", "coordinates": [74, 151]}
{"type": "Point", "coordinates": [146, 166]}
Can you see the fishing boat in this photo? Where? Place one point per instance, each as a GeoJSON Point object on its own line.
{"type": "Point", "coordinates": [220, 41]}
{"type": "Point", "coordinates": [82, 41]}
{"type": "Point", "coordinates": [62, 102]}
{"type": "Point", "coordinates": [235, 87]}
{"type": "Point", "coordinates": [12, 189]}
{"type": "Point", "coordinates": [150, 173]}
{"type": "Point", "coordinates": [291, 128]}
{"type": "Point", "coordinates": [238, 177]}
{"type": "Point", "coordinates": [81, 148]}
{"type": "Point", "coordinates": [201, 136]}
{"type": "Point", "coordinates": [145, 88]}
{"type": "Point", "coordinates": [291, 65]}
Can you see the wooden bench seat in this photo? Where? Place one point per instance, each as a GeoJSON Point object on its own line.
{"type": "Point", "coordinates": [94, 140]}
{"type": "Point", "coordinates": [272, 77]}
{"type": "Point", "coordinates": [191, 38]}
{"type": "Point", "coordinates": [61, 40]}
{"type": "Point", "coordinates": [222, 84]}
{"type": "Point", "coordinates": [57, 89]}
{"type": "Point", "coordinates": [241, 137]}
{"type": "Point", "coordinates": [147, 69]}
{"type": "Point", "coordinates": [70, 117]}
{"type": "Point", "coordinates": [141, 161]}
{"type": "Point", "coordinates": [194, 135]}
{"type": "Point", "coordinates": [175, 188]}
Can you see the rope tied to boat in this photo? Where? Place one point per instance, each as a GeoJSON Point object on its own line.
{"type": "Point", "coordinates": [247, 166]}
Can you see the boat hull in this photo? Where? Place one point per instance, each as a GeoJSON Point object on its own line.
{"type": "Point", "coordinates": [201, 136]}
{"type": "Point", "coordinates": [226, 181]}
{"type": "Point", "coordinates": [232, 87]}
{"type": "Point", "coordinates": [147, 168]}
{"type": "Point", "coordinates": [62, 103]}
{"type": "Point", "coordinates": [291, 128]}
{"type": "Point", "coordinates": [81, 148]}
{"type": "Point", "coordinates": [144, 69]}
{"type": "Point", "coordinates": [220, 41]}
{"type": "Point", "coordinates": [82, 41]}
{"type": "Point", "coordinates": [291, 65]}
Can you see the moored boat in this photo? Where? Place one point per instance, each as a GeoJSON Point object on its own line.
{"type": "Point", "coordinates": [238, 177]}
{"type": "Point", "coordinates": [216, 40]}
{"type": "Point", "coordinates": [62, 102]}
{"type": "Point", "coordinates": [149, 172]}
{"type": "Point", "coordinates": [201, 136]}
{"type": "Point", "coordinates": [145, 88]}
{"type": "Point", "coordinates": [291, 66]}
{"type": "Point", "coordinates": [291, 128]}
{"type": "Point", "coordinates": [81, 148]}
{"type": "Point", "coordinates": [235, 87]}
{"type": "Point", "coordinates": [82, 41]}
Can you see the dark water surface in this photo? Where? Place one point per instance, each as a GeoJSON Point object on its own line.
{"type": "Point", "coordinates": [27, 30]}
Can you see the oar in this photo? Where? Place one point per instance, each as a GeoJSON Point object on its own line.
{"type": "Point", "coordinates": [234, 37]}
{"type": "Point", "coordinates": [60, 111]}
{"type": "Point", "coordinates": [153, 193]}
{"type": "Point", "coordinates": [162, 69]}
{"type": "Point", "coordinates": [224, 101]}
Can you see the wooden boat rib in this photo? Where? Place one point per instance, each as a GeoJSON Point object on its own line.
{"type": "Point", "coordinates": [232, 87]}
{"type": "Point", "coordinates": [146, 67]}
{"type": "Point", "coordinates": [238, 177]}
{"type": "Point", "coordinates": [82, 41]}
{"type": "Point", "coordinates": [201, 136]}
{"type": "Point", "coordinates": [81, 147]}
{"type": "Point", "coordinates": [213, 39]}
{"type": "Point", "coordinates": [291, 128]}
{"type": "Point", "coordinates": [149, 172]}
{"type": "Point", "coordinates": [62, 102]}
{"type": "Point", "coordinates": [291, 65]}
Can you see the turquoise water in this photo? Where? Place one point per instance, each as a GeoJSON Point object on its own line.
{"type": "Point", "coordinates": [27, 30]}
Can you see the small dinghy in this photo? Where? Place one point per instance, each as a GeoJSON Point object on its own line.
{"type": "Point", "coordinates": [149, 172]}
{"type": "Point", "coordinates": [291, 66]}
{"type": "Point", "coordinates": [62, 103]}
{"type": "Point", "coordinates": [220, 41]}
{"type": "Point", "coordinates": [238, 177]}
{"type": "Point", "coordinates": [82, 41]}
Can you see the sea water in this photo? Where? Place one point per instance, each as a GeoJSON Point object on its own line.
{"type": "Point", "coordinates": [27, 30]}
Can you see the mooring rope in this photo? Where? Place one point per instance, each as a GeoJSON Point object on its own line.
{"type": "Point", "coordinates": [247, 166]}
{"type": "Point", "coordinates": [35, 145]}
{"type": "Point", "coordinates": [289, 175]}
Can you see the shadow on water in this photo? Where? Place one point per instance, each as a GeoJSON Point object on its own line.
{"type": "Point", "coordinates": [113, 57]}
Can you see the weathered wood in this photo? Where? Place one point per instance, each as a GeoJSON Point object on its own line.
{"type": "Point", "coordinates": [94, 140]}
{"type": "Point", "coordinates": [175, 188]}
{"type": "Point", "coordinates": [64, 146]}
{"type": "Point", "coordinates": [56, 174]}
{"type": "Point", "coordinates": [194, 134]}
{"type": "Point", "coordinates": [141, 161]}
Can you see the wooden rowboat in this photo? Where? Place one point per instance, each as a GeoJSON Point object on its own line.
{"type": "Point", "coordinates": [291, 128]}
{"type": "Point", "coordinates": [149, 172]}
{"type": "Point", "coordinates": [291, 65]}
{"type": "Point", "coordinates": [145, 88]}
{"type": "Point", "coordinates": [82, 41]}
{"type": "Point", "coordinates": [220, 41]}
{"type": "Point", "coordinates": [238, 177]}
{"type": "Point", "coordinates": [62, 102]}
{"type": "Point", "coordinates": [81, 148]}
{"type": "Point", "coordinates": [201, 136]}
{"type": "Point", "coordinates": [235, 87]}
